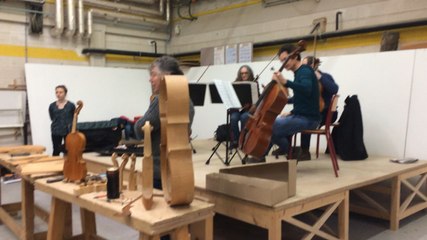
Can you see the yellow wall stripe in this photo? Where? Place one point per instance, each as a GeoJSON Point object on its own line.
{"type": "Point", "coordinates": [38, 52]}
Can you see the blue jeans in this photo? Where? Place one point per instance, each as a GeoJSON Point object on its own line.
{"type": "Point", "coordinates": [284, 127]}
{"type": "Point", "coordinates": [235, 117]}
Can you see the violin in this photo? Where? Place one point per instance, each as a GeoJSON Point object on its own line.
{"type": "Point", "coordinates": [75, 143]}
{"type": "Point", "coordinates": [255, 137]}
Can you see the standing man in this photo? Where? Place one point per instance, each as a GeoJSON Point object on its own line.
{"type": "Point", "coordinates": [162, 66]}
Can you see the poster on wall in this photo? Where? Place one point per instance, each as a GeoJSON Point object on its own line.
{"type": "Point", "coordinates": [245, 52]}
{"type": "Point", "coordinates": [231, 54]}
{"type": "Point", "coordinates": [219, 55]}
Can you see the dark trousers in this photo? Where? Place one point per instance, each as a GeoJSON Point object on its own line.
{"type": "Point", "coordinates": [305, 138]}
{"type": "Point", "coordinates": [58, 146]}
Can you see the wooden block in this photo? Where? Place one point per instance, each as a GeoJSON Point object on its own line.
{"type": "Point", "coordinates": [258, 190]}
{"type": "Point", "coordinates": [266, 184]}
{"type": "Point", "coordinates": [95, 187]}
{"type": "Point", "coordinates": [44, 167]}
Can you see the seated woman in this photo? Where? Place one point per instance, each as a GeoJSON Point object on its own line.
{"type": "Point", "coordinates": [245, 73]}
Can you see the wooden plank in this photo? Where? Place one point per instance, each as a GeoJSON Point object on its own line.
{"type": "Point", "coordinates": [41, 213]}
{"type": "Point", "coordinates": [27, 195]}
{"type": "Point", "coordinates": [181, 233]}
{"type": "Point", "coordinates": [45, 167]}
{"type": "Point", "coordinates": [10, 222]}
{"type": "Point", "coordinates": [22, 149]}
{"type": "Point", "coordinates": [40, 236]}
{"type": "Point", "coordinates": [395, 203]}
{"type": "Point", "coordinates": [275, 228]}
{"type": "Point", "coordinates": [88, 223]}
{"type": "Point", "coordinates": [57, 219]}
{"type": "Point", "coordinates": [12, 207]}
{"type": "Point", "coordinates": [202, 230]}
{"type": "Point", "coordinates": [245, 211]}
{"type": "Point", "coordinates": [343, 217]}
{"type": "Point", "coordinates": [35, 160]}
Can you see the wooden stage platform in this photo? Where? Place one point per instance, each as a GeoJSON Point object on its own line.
{"type": "Point", "coordinates": [374, 187]}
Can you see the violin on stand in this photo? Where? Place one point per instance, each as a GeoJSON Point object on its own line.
{"type": "Point", "coordinates": [255, 137]}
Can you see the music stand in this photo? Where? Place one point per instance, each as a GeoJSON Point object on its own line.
{"type": "Point", "coordinates": [216, 98]}
{"type": "Point", "coordinates": [197, 95]}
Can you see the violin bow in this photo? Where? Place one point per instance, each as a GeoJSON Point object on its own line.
{"type": "Point", "coordinates": [203, 73]}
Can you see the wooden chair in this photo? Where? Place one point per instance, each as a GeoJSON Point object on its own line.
{"type": "Point", "coordinates": [327, 132]}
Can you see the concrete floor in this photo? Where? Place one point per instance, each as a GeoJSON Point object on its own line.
{"type": "Point", "coordinates": [225, 228]}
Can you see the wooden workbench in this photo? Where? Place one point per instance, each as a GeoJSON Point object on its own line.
{"type": "Point", "coordinates": [151, 224]}
{"type": "Point", "coordinates": [318, 189]}
{"type": "Point", "coordinates": [24, 229]}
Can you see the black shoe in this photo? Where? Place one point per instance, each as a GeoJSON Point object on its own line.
{"type": "Point", "coordinates": [278, 152]}
{"type": "Point", "coordinates": [254, 160]}
{"type": "Point", "coordinates": [304, 155]}
{"type": "Point", "coordinates": [234, 145]}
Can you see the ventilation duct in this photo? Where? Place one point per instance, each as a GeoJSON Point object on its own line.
{"type": "Point", "coordinates": [270, 3]}
{"type": "Point", "coordinates": [59, 19]}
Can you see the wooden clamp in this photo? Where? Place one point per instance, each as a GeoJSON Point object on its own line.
{"type": "Point", "coordinates": [114, 160]}
{"type": "Point", "coordinates": [147, 168]}
{"type": "Point", "coordinates": [132, 175]}
{"type": "Point", "coordinates": [125, 158]}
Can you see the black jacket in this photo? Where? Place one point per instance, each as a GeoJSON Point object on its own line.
{"type": "Point", "coordinates": [348, 136]}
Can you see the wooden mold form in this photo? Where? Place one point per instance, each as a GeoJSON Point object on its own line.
{"type": "Point", "coordinates": [266, 184]}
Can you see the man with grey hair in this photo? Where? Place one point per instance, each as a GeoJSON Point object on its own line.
{"type": "Point", "coordinates": [162, 66]}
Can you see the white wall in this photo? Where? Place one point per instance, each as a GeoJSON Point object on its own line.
{"type": "Point", "coordinates": [417, 131]}
{"type": "Point", "coordinates": [106, 93]}
{"type": "Point", "coordinates": [382, 82]}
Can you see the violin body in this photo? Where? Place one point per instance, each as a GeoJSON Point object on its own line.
{"type": "Point", "coordinates": [255, 137]}
{"type": "Point", "coordinates": [177, 171]}
{"type": "Point", "coordinates": [75, 143]}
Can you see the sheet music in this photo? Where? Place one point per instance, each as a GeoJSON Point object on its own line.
{"type": "Point", "coordinates": [227, 94]}
{"type": "Point", "coordinates": [254, 90]}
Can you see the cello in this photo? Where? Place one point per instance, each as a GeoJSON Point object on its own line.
{"type": "Point", "coordinates": [255, 137]}
{"type": "Point", "coordinates": [75, 143]}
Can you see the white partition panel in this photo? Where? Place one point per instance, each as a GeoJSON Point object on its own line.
{"type": "Point", "coordinates": [416, 145]}
{"type": "Point", "coordinates": [106, 93]}
{"type": "Point", "coordinates": [381, 80]}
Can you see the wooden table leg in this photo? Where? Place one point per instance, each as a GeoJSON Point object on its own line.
{"type": "Point", "coordinates": [88, 223]}
{"type": "Point", "coordinates": [60, 215]}
{"type": "Point", "coordinates": [202, 230]}
{"type": "Point", "coordinates": [275, 228]}
{"type": "Point", "coordinates": [181, 233]}
{"type": "Point", "coordinates": [27, 206]}
{"type": "Point", "coordinates": [343, 217]}
{"type": "Point", "coordinates": [395, 203]}
{"type": "Point", "coordinates": [143, 236]}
